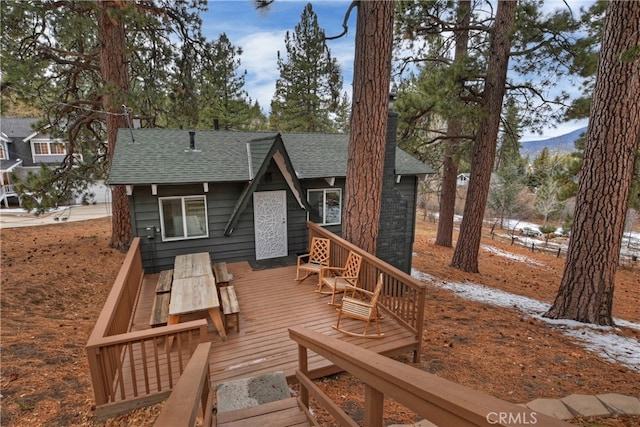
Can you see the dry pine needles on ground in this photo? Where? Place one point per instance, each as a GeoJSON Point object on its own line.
{"type": "Point", "coordinates": [55, 279]}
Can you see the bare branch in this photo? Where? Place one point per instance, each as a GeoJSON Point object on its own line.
{"type": "Point", "coordinates": [344, 22]}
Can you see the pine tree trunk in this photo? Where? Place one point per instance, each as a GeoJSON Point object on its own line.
{"type": "Point", "coordinates": [444, 237]}
{"type": "Point", "coordinates": [586, 289]}
{"type": "Point", "coordinates": [113, 66]}
{"type": "Point", "coordinates": [371, 80]}
{"type": "Point", "coordinates": [465, 255]}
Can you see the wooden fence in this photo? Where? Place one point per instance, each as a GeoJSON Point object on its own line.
{"type": "Point", "coordinates": [402, 296]}
{"type": "Point", "coordinates": [133, 369]}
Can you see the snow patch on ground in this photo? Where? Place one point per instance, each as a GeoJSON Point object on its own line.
{"type": "Point", "coordinates": [601, 340]}
{"type": "Point", "coordinates": [509, 255]}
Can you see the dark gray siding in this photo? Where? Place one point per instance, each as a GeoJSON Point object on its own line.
{"type": "Point", "coordinates": [239, 246]}
{"type": "Point", "coordinates": [221, 199]}
{"type": "Point", "coordinates": [408, 187]}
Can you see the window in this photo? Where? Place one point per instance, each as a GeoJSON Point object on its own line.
{"type": "Point", "coordinates": [183, 217]}
{"type": "Point", "coordinates": [3, 153]}
{"type": "Point", "coordinates": [48, 147]}
{"type": "Point", "coordinates": [57, 148]}
{"type": "Point", "coordinates": [326, 206]}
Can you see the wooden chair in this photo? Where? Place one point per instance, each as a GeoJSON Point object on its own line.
{"type": "Point", "coordinates": [318, 257]}
{"type": "Point", "coordinates": [338, 278]}
{"type": "Point", "coordinates": [363, 308]}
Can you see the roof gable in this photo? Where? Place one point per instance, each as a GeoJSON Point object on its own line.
{"type": "Point", "coordinates": [261, 152]}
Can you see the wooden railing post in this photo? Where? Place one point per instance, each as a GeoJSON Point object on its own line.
{"type": "Point", "coordinates": [422, 301]}
{"type": "Point", "coordinates": [303, 364]}
{"type": "Point", "coordinates": [373, 407]}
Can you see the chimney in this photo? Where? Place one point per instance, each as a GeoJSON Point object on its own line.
{"type": "Point", "coordinates": [192, 140]}
{"type": "Point", "coordinates": [395, 234]}
{"type": "Point", "coordinates": [216, 124]}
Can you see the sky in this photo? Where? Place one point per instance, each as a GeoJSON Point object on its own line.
{"type": "Point", "coordinates": [261, 34]}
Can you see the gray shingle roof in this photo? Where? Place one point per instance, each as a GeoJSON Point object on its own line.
{"type": "Point", "coordinates": [162, 156]}
{"type": "Point", "coordinates": [15, 127]}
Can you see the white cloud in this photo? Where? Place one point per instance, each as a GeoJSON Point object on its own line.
{"type": "Point", "coordinates": [261, 34]}
{"type": "Point", "coordinates": [260, 58]}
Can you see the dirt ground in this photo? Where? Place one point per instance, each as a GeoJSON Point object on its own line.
{"type": "Point", "coordinates": [55, 279]}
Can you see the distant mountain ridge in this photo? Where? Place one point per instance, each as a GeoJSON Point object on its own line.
{"type": "Point", "coordinates": [562, 144]}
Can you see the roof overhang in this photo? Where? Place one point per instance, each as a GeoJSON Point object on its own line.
{"type": "Point", "coordinates": [7, 166]}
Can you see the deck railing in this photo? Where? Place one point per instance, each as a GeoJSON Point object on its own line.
{"type": "Point", "coordinates": [131, 369]}
{"type": "Point", "coordinates": [436, 399]}
{"type": "Point", "coordinates": [7, 189]}
{"type": "Point", "coordinates": [190, 393]}
{"type": "Point", "coordinates": [402, 296]}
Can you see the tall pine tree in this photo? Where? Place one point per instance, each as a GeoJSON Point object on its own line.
{"type": "Point", "coordinates": [75, 58]}
{"type": "Point", "coordinates": [308, 90]}
{"type": "Point", "coordinates": [613, 136]}
{"type": "Point", "coordinates": [222, 94]}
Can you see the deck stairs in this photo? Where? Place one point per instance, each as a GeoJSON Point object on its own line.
{"type": "Point", "coordinates": [264, 400]}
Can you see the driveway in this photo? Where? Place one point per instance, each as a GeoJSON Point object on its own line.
{"type": "Point", "coordinates": [10, 218]}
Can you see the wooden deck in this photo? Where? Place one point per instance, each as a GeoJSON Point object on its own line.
{"type": "Point", "coordinates": [271, 301]}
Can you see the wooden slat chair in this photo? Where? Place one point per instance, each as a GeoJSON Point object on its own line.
{"type": "Point", "coordinates": [363, 308]}
{"type": "Point", "coordinates": [318, 257]}
{"type": "Point", "coordinates": [338, 278]}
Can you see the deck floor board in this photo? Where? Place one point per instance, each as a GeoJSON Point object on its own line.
{"type": "Point", "coordinates": [271, 301]}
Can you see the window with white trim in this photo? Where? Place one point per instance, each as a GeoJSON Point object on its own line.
{"type": "Point", "coordinates": [44, 147]}
{"type": "Point", "coordinates": [326, 206]}
{"type": "Point", "coordinates": [183, 217]}
{"type": "Point", "coordinates": [3, 152]}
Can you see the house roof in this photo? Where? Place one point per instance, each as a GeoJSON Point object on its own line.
{"type": "Point", "coordinates": [9, 165]}
{"type": "Point", "coordinates": [163, 156]}
{"type": "Point", "coordinates": [17, 127]}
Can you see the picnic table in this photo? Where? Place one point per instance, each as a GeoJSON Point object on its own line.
{"type": "Point", "coordinates": [194, 289]}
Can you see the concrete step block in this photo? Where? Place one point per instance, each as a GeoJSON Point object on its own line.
{"type": "Point", "coordinates": [620, 404]}
{"type": "Point", "coordinates": [585, 405]}
{"type": "Point", "coordinates": [552, 407]}
{"type": "Point", "coordinates": [253, 391]}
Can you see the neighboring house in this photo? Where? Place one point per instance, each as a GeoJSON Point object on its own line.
{"type": "Point", "coordinates": [463, 179]}
{"type": "Point", "coordinates": [248, 195]}
{"type": "Point", "coordinates": [23, 150]}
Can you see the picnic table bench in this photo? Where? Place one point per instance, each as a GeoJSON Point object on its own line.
{"type": "Point", "coordinates": [222, 274]}
{"type": "Point", "coordinates": [160, 310]}
{"type": "Point", "coordinates": [164, 281]}
{"type": "Point", "coordinates": [230, 306]}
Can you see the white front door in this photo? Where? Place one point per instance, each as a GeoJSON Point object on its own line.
{"type": "Point", "coordinates": [270, 222]}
